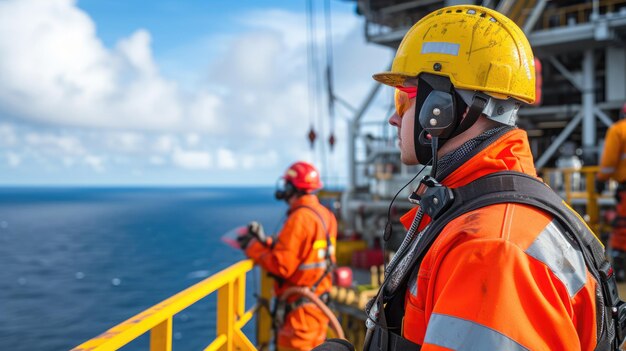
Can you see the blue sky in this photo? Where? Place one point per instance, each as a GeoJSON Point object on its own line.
{"type": "Point", "coordinates": [165, 92]}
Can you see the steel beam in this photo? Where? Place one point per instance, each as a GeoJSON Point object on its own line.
{"type": "Point", "coordinates": [353, 131]}
{"type": "Point", "coordinates": [406, 6]}
{"type": "Point", "coordinates": [534, 15]}
{"type": "Point", "coordinates": [545, 157]}
{"type": "Point", "coordinates": [566, 73]}
{"type": "Point", "coordinates": [603, 117]}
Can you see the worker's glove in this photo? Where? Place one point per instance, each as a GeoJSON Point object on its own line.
{"type": "Point", "coordinates": [255, 229]}
{"type": "Point", "coordinates": [244, 240]}
{"type": "Point", "coordinates": [335, 345]}
{"type": "Point", "coordinates": [600, 186]}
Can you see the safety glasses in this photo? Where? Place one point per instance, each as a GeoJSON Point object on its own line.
{"type": "Point", "coordinates": [403, 97]}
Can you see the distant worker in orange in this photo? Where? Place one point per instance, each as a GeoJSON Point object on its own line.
{"type": "Point", "coordinates": [301, 255]}
{"type": "Point", "coordinates": [613, 166]}
{"type": "Point", "coordinates": [492, 258]}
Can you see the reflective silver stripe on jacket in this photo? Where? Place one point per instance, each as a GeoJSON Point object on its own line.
{"type": "Point", "coordinates": [607, 170]}
{"type": "Point", "coordinates": [312, 265]}
{"type": "Point", "coordinates": [623, 156]}
{"type": "Point", "coordinates": [463, 335]}
{"type": "Point", "coordinates": [413, 283]}
{"type": "Point", "coordinates": [559, 255]}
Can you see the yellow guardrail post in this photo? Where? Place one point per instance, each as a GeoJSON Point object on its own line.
{"type": "Point", "coordinates": [240, 341]}
{"type": "Point", "coordinates": [264, 318]}
{"type": "Point", "coordinates": [230, 285]}
{"type": "Point", "coordinates": [225, 315]}
{"type": "Point", "coordinates": [568, 186]}
{"type": "Point", "coordinates": [593, 210]}
{"type": "Point", "coordinates": [161, 336]}
{"type": "Point", "coordinates": [240, 295]}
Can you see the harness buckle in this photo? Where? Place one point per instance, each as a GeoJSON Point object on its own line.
{"type": "Point", "coordinates": [609, 285]}
{"type": "Point", "coordinates": [435, 199]}
{"type": "Point", "coordinates": [280, 311]}
{"type": "Point", "coordinates": [618, 307]}
{"type": "Point", "coordinates": [619, 316]}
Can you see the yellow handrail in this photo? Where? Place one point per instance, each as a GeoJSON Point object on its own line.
{"type": "Point", "coordinates": [589, 193]}
{"type": "Point", "coordinates": [520, 10]}
{"type": "Point", "coordinates": [230, 285]}
{"type": "Point", "coordinates": [580, 11]}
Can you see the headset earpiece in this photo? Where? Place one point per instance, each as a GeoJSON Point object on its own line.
{"type": "Point", "coordinates": [286, 192]}
{"type": "Point", "coordinates": [279, 194]}
{"type": "Point", "coordinates": [438, 114]}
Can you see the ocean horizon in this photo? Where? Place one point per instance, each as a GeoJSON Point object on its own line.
{"type": "Point", "coordinates": [79, 260]}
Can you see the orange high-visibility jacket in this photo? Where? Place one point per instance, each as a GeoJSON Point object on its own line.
{"type": "Point", "coordinates": [613, 163]}
{"type": "Point", "coordinates": [298, 255]}
{"type": "Point", "coordinates": [502, 277]}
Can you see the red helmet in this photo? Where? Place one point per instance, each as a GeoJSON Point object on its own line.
{"type": "Point", "coordinates": [304, 176]}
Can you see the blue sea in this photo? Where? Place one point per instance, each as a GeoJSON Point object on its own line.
{"type": "Point", "coordinates": [75, 262]}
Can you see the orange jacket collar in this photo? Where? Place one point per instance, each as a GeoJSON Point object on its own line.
{"type": "Point", "coordinates": [511, 152]}
{"type": "Point", "coordinates": [304, 200]}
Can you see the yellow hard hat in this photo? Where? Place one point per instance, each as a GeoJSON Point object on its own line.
{"type": "Point", "coordinates": [476, 47]}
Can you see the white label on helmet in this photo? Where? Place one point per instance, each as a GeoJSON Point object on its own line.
{"type": "Point", "coordinates": [440, 48]}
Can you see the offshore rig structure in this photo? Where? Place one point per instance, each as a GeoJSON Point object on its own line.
{"type": "Point", "coordinates": [580, 51]}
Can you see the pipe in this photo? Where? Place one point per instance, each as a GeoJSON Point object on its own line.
{"type": "Point", "coordinates": [305, 292]}
{"type": "Point", "coordinates": [589, 101]}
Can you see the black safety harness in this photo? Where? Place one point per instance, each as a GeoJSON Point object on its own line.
{"type": "Point", "coordinates": [282, 308]}
{"type": "Point", "coordinates": [444, 204]}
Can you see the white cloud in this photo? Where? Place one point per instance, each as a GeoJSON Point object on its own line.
{"type": "Point", "coordinates": [255, 56]}
{"type": "Point", "coordinates": [253, 110]}
{"type": "Point", "coordinates": [13, 159]}
{"type": "Point", "coordinates": [165, 143]}
{"type": "Point", "coordinates": [128, 142]}
{"type": "Point", "coordinates": [56, 70]}
{"type": "Point", "coordinates": [226, 159]}
{"type": "Point", "coordinates": [54, 144]}
{"type": "Point", "coordinates": [193, 160]}
{"type": "Point", "coordinates": [95, 162]}
{"type": "Point", "coordinates": [192, 139]}
{"type": "Point", "coordinates": [203, 112]}
{"type": "Point", "coordinates": [68, 161]}
{"type": "Point", "coordinates": [156, 160]}
{"type": "Point", "coordinates": [7, 135]}
{"type": "Point", "coordinates": [136, 50]}
{"type": "Point", "coordinates": [247, 162]}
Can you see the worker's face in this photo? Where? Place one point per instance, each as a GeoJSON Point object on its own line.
{"type": "Point", "coordinates": [403, 119]}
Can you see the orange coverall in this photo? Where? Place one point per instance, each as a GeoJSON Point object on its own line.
{"type": "Point", "coordinates": [613, 166]}
{"type": "Point", "coordinates": [502, 277]}
{"type": "Point", "coordinates": [298, 257]}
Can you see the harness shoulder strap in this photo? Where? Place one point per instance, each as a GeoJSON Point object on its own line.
{"type": "Point", "coordinates": [326, 229]}
{"type": "Point", "coordinates": [444, 205]}
{"type": "Point", "coordinates": [327, 255]}
{"type": "Point", "coordinates": [316, 213]}
{"type": "Point", "coordinates": [514, 187]}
